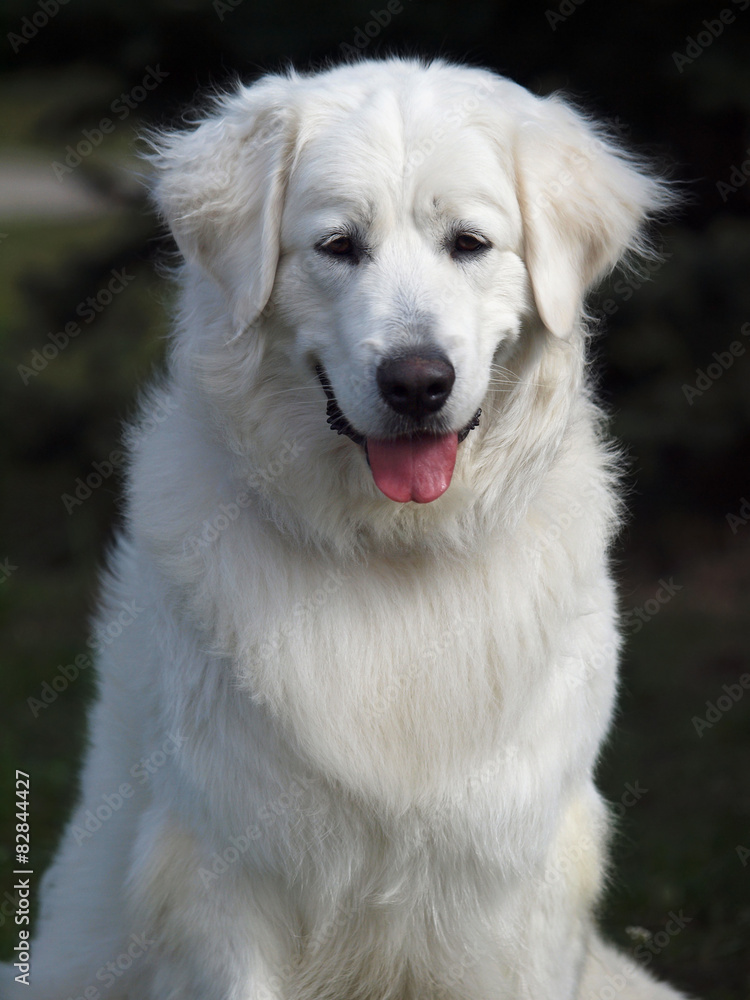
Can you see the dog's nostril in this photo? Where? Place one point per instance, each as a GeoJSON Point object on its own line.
{"type": "Point", "coordinates": [416, 385]}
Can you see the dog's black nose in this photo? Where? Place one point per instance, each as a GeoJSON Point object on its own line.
{"type": "Point", "coordinates": [416, 385]}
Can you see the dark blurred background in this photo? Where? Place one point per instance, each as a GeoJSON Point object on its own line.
{"type": "Point", "coordinates": [78, 248]}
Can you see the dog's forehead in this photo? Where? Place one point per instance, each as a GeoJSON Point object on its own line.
{"type": "Point", "coordinates": [392, 152]}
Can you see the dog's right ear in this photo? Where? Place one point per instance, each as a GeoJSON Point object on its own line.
{"type": "Point", "coordinates": [220, 187]}
{"type": "Point", "coordinates": [584, 203]}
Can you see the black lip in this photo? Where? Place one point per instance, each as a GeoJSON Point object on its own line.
{"type": "Point", "coordinates": [338, 422]}
{"type": "Point", "coordinates": [334, 417]}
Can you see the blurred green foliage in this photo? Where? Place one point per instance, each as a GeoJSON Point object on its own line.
{"type": "Point", "coordinates": [676, 846]}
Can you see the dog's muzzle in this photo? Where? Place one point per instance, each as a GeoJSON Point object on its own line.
{"type": "Point", "coordinates": [416, 466]}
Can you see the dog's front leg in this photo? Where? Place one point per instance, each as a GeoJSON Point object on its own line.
{"type": "Point", "coordinates": [211, 936]}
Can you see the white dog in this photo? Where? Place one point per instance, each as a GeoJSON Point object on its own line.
{"type": "Point", "coordinates": [344, 741]}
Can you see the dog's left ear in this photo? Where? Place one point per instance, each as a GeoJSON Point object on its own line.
{"type": "Point", "coordinates": [584, 203]}
{"type": "Point", "coordinates": [221, 188]}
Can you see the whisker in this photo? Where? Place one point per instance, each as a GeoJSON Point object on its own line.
{"type": "Point", "coordinates": [538, 385]}
{"type": "Point", "coordinates": [499, 382]}
{"type": "Point", "coordinates": [515, 380]}
{"type": "Point", "coordinates": [501, 368]}
{"type": "Point", "coordinates": [283, 392]}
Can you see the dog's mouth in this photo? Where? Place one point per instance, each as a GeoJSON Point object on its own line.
{"type": "Point", "coordinates": [416, 467]}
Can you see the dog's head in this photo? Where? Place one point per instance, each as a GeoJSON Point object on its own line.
{"type": "Point", "coordinates": [391, 233]}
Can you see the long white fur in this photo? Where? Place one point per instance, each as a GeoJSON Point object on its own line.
{"type": "Point", "coordinates": [397, 706]}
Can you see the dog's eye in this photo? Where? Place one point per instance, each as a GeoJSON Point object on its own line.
{"type": "Point", "coordinates": [468, 243]}
{"type": "Point", "coordinates": [338, 246]}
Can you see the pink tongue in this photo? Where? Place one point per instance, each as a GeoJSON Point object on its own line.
{"type": "Point", "coordinates": [418, 468]}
